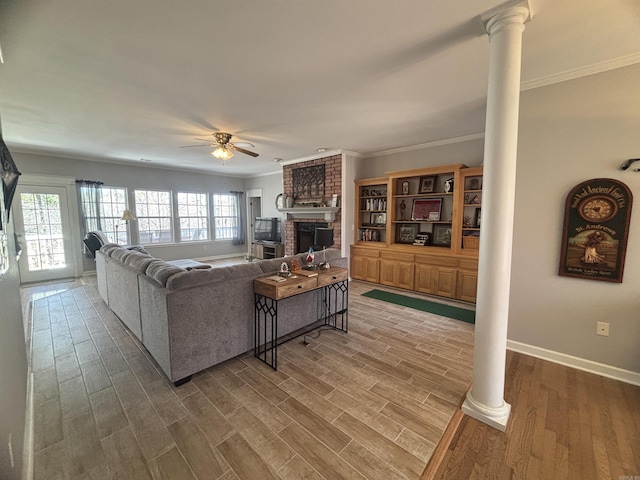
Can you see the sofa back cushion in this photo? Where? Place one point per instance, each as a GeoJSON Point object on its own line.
{"type": "Point", "coordinates": [213, 275]}
{"type": "Point", "coordinates": [160, 271]}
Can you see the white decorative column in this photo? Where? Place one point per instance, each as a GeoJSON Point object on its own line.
{"type": "Point", "coordinates": [485, 401]}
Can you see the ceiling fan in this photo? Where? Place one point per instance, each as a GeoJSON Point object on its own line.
{"type": "Point", "coordinates": [223, 146]}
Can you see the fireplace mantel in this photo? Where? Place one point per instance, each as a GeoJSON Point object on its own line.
{"type": "Point", "coordinates": [328, 213]}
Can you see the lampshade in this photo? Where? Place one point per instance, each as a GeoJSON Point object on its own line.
{"type": "Point", "coordinates": [127, 215]}
{"type": "Point", "coordinates": [323, 237]}
{"type": "Point", "coordinates": [222, 153]}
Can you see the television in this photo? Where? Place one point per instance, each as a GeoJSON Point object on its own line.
{"type": "Point", "coordinates": [266, 229]}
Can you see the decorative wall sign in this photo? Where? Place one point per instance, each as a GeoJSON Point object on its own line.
{"type": "Point", "coordinates": [596, 227]}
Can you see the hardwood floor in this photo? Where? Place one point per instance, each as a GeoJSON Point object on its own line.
{"type": "Point", "coordinates": [369, 404]}
{"type": "Point", "coordinates": [565, 424]}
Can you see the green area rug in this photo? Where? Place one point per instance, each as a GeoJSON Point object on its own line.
{"type": "Point", "coordinates": [463, 314]}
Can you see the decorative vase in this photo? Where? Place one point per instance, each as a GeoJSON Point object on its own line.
{"type": "Point", "coordinates": [288, 201]}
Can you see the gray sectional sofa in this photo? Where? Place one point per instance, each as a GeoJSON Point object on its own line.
{"type": "Point", "coordinates": [190, 319]}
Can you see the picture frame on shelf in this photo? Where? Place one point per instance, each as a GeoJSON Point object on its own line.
{"type": "Point", "coordinates": [477, 219]}
{"type": "Point", "coordinates": [407, 233]}
{"type": "Point", "coordinates": [441, 235]}
{"type": "Point", "coordinates": [379, 219]}
{"type": "Point", "coordinates": [427, 184]}
{"type": "Point", "coordinates": [474, 184]}
{"type": "Point", "coordinates": [427, 210]}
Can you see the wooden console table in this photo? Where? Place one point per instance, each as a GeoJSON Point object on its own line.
{"type": "Point", "coordinates": [333, 286]}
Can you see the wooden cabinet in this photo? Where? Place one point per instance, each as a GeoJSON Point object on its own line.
{"type": "Point", "coordinates": [471, 179]}
{"type": "Point", "coordinates": [437, 275]}
{"type": "Point", "coordinates": [424, 207]}
{"type": "Point", "coordinates": [420, 230]}
{"type": "Point", "coordinates": [397, 270]}
{"type": "Point", "coordinates": [371, 210]}
{"type": "Point", "coordinates": [467, 279]}
{"type": "Point", "coordinates": [365, 264]}
{"type": "Point", "coordinates": [267, 250]}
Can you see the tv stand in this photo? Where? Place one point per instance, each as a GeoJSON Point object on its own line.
{"type": "Point", "coordinates": [267, 250]}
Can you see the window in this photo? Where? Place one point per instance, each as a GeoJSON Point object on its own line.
{"type": "Point", "coordinates": [225, 216]}
{"type": "Point", "coordinates": [193, 216]}
{"type": "Point", "coordinates": [112, 202]}
{"type": "Point", "coordinates": [153, 210]}
{"type": "Point", "coordinates": [102, 209]}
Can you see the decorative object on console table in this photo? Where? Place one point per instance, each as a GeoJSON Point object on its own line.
{"type": "Point", "coordinates": [427, 184]}
{"type": "Point", "coordinates": [426, 210]}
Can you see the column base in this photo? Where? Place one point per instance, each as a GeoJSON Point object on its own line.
{"type": "Point", "coordinates": [494, 417]}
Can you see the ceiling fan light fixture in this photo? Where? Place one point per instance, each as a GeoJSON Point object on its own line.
{"type": "Point", "coordinates": [222, 153]}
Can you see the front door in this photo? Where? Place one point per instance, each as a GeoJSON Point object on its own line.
{"type": "Point", "coordinates": [43, 229]}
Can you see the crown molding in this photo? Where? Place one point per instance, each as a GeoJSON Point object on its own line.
{"type": "Point", "coordinates": [437, 143]}
{"type": "Point", "coordinates": [580, 72]}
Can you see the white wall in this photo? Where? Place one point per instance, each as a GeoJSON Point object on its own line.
{"type": "Point", "coordinates": [144, 176]}
{"type": "Point", "coordinates": [572, 132]}
{"type": "Point", "coordinates": [569, 132]}
{"type": "Point", "coordinates": [13, 367]}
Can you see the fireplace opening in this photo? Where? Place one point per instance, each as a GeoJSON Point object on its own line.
{"type": "Point", "coordinates": [305, 234]}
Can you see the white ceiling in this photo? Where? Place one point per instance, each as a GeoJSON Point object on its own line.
{"type": "Point", "coordinates": [123, 80]}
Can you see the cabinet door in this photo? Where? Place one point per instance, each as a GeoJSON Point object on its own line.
{"type": "Point", "coordinates": [424, 278]}
{"type": "Point", "coordinates": [365, 268]}
{"type": "Point", "coordinates": [372, 269]}
{"type": "Point", "coordinates": [467, 285]}
{"type": "Point", "coordinates": [404, 275]}
{"type": "Point", "coordinates": [387, 273]}
{"type": "Point", "coordinates": [444, 281]}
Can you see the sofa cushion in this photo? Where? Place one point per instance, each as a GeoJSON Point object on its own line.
{"type": "Point", "coordinates": [213, 275]}
{"type": "Point", "coordinates": [160, 271]}
{"type": "Point", "coordinates": [138, 248]}
{"type": "Point", "coordinates": [109, 248]}
{"type": "Point", "coordinates": [138, 261]}
{"type": "Point", "coordinates": [121, 253]}
{"type": "Point", "coordinates": [189, 264]}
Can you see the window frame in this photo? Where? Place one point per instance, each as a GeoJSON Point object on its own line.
{"type": "Point", "coordinates": [143, 210]}
{"type": "Point", "coordinates": [205, 217]}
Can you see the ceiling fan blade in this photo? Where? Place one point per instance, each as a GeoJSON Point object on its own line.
{"type": "Point", "coordinates": [203, 145]}
{"type": "Point", "coordinates": [244, 144]}
{"type": "Point", "coordinates": [241, 150]}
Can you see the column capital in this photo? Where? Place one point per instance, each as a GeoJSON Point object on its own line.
{"type": "Point", "coordinates": [512, 13]}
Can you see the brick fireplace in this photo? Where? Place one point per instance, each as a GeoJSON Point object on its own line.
{"type": "Point", "coordinates": [311, 196]}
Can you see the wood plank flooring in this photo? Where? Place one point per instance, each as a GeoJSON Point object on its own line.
{"type": "Point", "coordinates": [370, 404]}
{"type": "Point", "coordinates": [564, 424]}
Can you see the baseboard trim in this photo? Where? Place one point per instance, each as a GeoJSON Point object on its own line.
{"type": "Point", "coordinates": [626, 376]}
{"type": "Point", "coordinates": [28, 451]}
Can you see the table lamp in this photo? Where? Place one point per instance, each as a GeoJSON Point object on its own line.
{"type": "Point", "coordinates": [323, 238]}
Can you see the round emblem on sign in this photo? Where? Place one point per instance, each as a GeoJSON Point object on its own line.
{"type": "Point", "coordinates": [597, 209]}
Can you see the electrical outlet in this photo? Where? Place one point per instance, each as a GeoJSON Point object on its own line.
{"type": "Point", "coordinates": [602, 328]}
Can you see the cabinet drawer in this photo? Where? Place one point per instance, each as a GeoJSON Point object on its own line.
{"type": "Point", "coordinates": [332, 277]}
{"type": "Point", "coordinates": [365, 252]}
{"type": "Point", "coordinates": [278, 290]}
{"type": "Point", "coordinates": [397, 256]}
{"type": "Point", "coordinates": [440, 261]}
{"type": "Point", "coordinates": [468, 264]}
